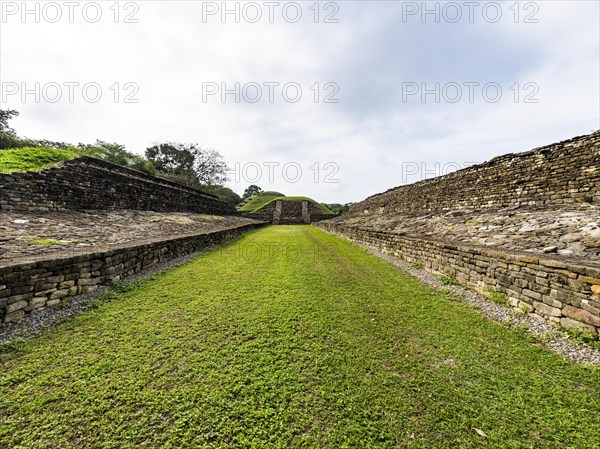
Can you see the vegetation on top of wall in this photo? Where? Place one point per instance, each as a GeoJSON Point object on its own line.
{"type": "Point", "coordinates": [338, 208]}
{"type": "Point", "coordinates": [187, 164]}
{"type": "Point", "coordinates": [255, 203]}
{"type": "Point", "coordinates": [32, 159]}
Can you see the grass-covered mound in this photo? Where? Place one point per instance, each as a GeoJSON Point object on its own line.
{"type": "Point", "coordinates": [255, 203]}
{"type": "Point", "coordinates": [32, 159]}
{"type": "Point", "coordinates": [341, 350]}
{"type": "Point", "coordinates": [270, 193]}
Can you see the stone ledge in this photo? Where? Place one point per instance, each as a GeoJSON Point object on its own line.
{"type": "Point", "coordinates": [561, 291]}
{"type": "Point", "coordinates": [70, 275]}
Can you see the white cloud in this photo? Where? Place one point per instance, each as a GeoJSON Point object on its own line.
{"type": "Point", "coordinates": [369, 53]}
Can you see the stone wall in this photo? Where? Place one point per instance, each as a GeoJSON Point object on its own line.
{"type": "Point", "coordinates": [31, 286]}
{"type": "Point", "coordinates": [290, 212]}
{"type": "Point", "coordinates": [561, 173]}
{"type": "Point", "coordinates": [86, 183]}
{"type": "Point", "coordinates": [553, 289]}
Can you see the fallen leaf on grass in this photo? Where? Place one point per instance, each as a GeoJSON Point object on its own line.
{"type": "Point", "coordinates": [480, 432]}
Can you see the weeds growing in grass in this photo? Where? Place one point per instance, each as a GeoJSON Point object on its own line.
{"type": "Point", "coordinates": [446, 280]}
{"type": "Point", "coordinates": [61, 305]}
{"type": "Point", "coordinates": [497, 297]}
{"type": "Point", "coordinates": [336, 352]}
{"type": "Point", "coordinates": [523, 308]}
{"type": "Point", "coordinates": [581, 336]}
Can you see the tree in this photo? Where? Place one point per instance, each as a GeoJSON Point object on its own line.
{"type": "Point", "coordinates": [5, 116]}
{"type": "Point", "coordinates": [8, 136]}
{"type": "Point", "coordinates": [338, 208]}
{"type": "Point", "coordinates": [109, 152]}
{"type": "Point", "coordinates": [141, 164]}
{"type": "Point", "coordinates": [251, 190]}
{"type": "Point", "coordinates": [223, 193]}
{"type": "Point", "coordinates": [171, 158]}
{"type": "Point", "coordinates": [188, 163]}
{"type": "Point", "coordinates": [116, 154]}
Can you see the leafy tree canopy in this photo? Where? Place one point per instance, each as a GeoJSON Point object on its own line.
{"type": "Point", "coordinates": [188, 163]}
{"type": "Point", "coordinates": [251, 190]}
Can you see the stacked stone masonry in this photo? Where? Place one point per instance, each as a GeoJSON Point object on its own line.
{"type": "Point", "coordinates": [290, 212]}
{"type": "Point", "coordinates": [32, 286]}
{"type": "Point", "coordinates": [86, 183]}
{"type": "Point", "coordinates": [560, 289]}
{"type": "Point", "coordinates": [552, 289]}
{"type": "Point", "coordinates": [561, 173]}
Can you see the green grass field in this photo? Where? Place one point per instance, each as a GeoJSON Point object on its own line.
{"type": "Point", "coordinates": [32, 159]}
{"type": "Point", "coordinates": [291, 338]}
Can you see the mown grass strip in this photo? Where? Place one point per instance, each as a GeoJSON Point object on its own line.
{"type": "Point", "coordinates": [291, 337]}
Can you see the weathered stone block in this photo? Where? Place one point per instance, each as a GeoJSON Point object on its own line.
{"type": "Point", "coordinates": [569, 323]}
{"type": "Point", "coordinates": [545, 309]}
{"type": "Point", "coordinates": [581, 315]}
{"type": "Point", "coordinates": [22, 289]}
{"type": "Point", "coordinates": [66, 284]}
{"type": "Point", "coordinates": [59, 294]}
{"type": "Point", "coordinates": [17, 298]}
{"type": "Point", "coordinates": [14, 316]}
{"type": "Point", "coordinates": [532, 294]}
{"type": "Point", "coordinates": [16, 306]}
{"type": "Point", "coordinates": [552, 302]}
{"type": "Point", "coordinates": [589, 280]}
{"type": "Point", "coordinates": [54, 279]}
{"type": "Point", "coordinates": [92, 281]}
{"type": "Point", "coordinates": [528, 307]}
{"type": "Point", "coordinates": [588, 306]}
{"type": "Point", "coordinates": [45, 287]}
{"type": "Point", "coordinates": [38, 300]}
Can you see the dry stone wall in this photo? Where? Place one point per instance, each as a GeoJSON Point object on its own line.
{"type": "Point", "coordinates": [32, 286]}
{"type": "Point", "coordinates": [86, 183]}
{"type": "Point", "coordinates": [553, 289]}
{"type": "Point", "coordinates": [565, 290]}
{"type": "Point", "coordinates": [561, 173]}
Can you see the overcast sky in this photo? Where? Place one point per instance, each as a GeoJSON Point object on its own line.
{"type": "Point", "coordinates": [509, 78]}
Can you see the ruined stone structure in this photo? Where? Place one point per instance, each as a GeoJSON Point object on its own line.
{"type": "Point", "coordinates": [291, 212]}
{"type": "Point", "coordinates": [562, 173]}
{"type": "Point", "coordinates": [562, 286]}
{"type": "Point", "coordinates": [31, 286]}
{"type": "Point", "coordinates": [87, 183]}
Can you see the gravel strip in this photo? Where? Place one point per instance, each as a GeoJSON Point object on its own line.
{"type": "Point", "coordinates": [38, 322]}
{"type": "Point", "coordinates": [539, 331]}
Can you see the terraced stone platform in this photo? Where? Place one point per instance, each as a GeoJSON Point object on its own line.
{"type": "Point", "coordinates": [46, 258]}
{"type": "Point", "coordinates": [571, 231]}
{"type": "Point", "coordinates": [27, 236]}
